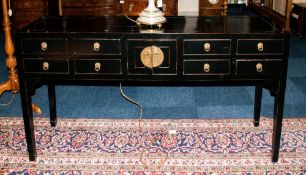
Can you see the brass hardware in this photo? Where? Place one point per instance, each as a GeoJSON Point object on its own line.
{"type": "Point", "coordinates": [97, 66]}
{"type": "Point", "coordinates": [159, 25]}
{"type": "Point", "coordinates": [44, 46]}
{"type": "Point", "coordinates": [206, 67]}
{"type": "Point", "coordinates": [131, 7]}
{"type": "Point", "coordinates": [260, 47]}
{"type": "Point", "coordinates": [152, 56]}
{"type": "Point", "coordinates": [96, 46]}
{"type": "Point", "coordinates": [207, 47]}
{"type": "Point", "coordinates": [259, 67]}
{"type": "Point", "coordinates": [45, 65]}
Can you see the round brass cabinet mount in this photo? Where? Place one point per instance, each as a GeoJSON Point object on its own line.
{"type": "Point", "coordinates": [152, 57]}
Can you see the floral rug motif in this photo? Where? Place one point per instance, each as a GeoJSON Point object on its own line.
{"type": "Point", "coordinates": [152, 146]}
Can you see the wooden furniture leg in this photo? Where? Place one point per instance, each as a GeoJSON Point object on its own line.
{"type": "Point", "coordinates": [36, 109]}
{"type": "Point", "coordinates": [52, 104]}
{"type": "Point", "coordinates": [25, 97]}
{"type": "Point", "coordinates": [277, 120]}
{"type": "Point", "coordinates": [257, 107]}
{"type": "Point", "coordinates": [60, 8]}
{"type": "Point", "coordinates": [12, 84]}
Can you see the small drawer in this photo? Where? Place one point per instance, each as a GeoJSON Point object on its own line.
{"type": "Point", "coordinates": [98, 66]}
{"type": "Point", "coordinates": [207, 47]}
{"type": "Point", "coordinates": [41, 66]}
{"type": "Point", "coordinates": [260, 46]}
{"type": "Point", "coordinates": [259, 67]}
{"type": "Point", "coordinates": [206, 67]}
{"type": "Point", "coordinates": [44, 45]}
{"type": "Point", "coordinates": [96, 46]}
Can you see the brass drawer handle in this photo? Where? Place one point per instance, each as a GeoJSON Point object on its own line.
{"type": "Point", "coordinates": [260, 47]}
{"type": "Point", "coordinates": [96, 46]}
{"type": "Point", "coordinates": [207, 47]}
{"type": "Point", "coordinates": [206, 67]}
{"type": "Point", "coordinates": [259, 67]}
{"type": "Point", "coordinates": [45, 66]}
{"type": "Point", "coordinates": [44, 45]}
{"type": "Point", "coordinates": [97, 66]}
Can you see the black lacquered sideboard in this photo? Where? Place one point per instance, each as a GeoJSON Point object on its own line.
{"type": "Point", "coordinates": [200, 51]}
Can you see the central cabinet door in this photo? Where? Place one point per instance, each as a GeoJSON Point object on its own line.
{"type": "Point", "coordinates": [152, 57]}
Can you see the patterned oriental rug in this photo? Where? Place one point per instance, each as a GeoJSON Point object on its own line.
{"type": "Point", "coordinates": [157, 146]}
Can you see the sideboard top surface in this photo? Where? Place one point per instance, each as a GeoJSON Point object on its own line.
{"type": "Point", "coordinates": [174, 25]}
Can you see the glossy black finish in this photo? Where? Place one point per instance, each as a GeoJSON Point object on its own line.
{"type": "Point", "coordinates": [52, 104]}
{"type": "Point", "coordinates": [180, 24]}
{"type": "Point", "coordinates": [231, 57]}
{"type": "Point", "coordinates": [257, 106]}
{"type": "Point", "coordinates": [53, 9]}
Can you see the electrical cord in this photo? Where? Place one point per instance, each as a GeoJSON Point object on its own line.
{"type": "Point", "coordinates": [138, 23]}
{"type": "Point", "coordinates": [10, 102]}
{"type": "Point", "coordinates": [135, 103]}
{"type": "Point", "coordinates": [124, 13]}
{"type": "Point", "coordinates": [131, 19]}
{"type": "Point", "coordinates": [153, 140]}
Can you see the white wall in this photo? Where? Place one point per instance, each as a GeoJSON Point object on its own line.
{"type": "Point", "coordinates": [188, 7]}
{"type": "Point", "coordinates": [191, 7]}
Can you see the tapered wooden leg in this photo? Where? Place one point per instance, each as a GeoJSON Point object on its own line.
{"type": "Point", "coordinates": [52, 104]}
{"type": "Point", "coordinates": [28, 120]}
{"type": "Point", "coordinates": [277, 120]}
{"type": "Point", "coordinates": [257, 106]}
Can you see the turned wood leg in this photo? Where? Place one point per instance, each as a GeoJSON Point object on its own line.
{"type": "Point", "coordinates": [36, 109]}
{"type": "Point", "coordinates": [257, 106]}
{"type": "Point", "coordinates": [6, 86]}
{"type": "Point", "coordinates": [277, 120]}
{"type": "Point", "coordinates": [12, 84]}
{"type": "Point", "coordinates": [52, 104]}
{"type": "Point", "coordinates": [28, 120]}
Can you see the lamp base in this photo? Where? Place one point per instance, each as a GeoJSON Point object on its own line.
{"type": "Point", "coordinates": [151, 15]}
